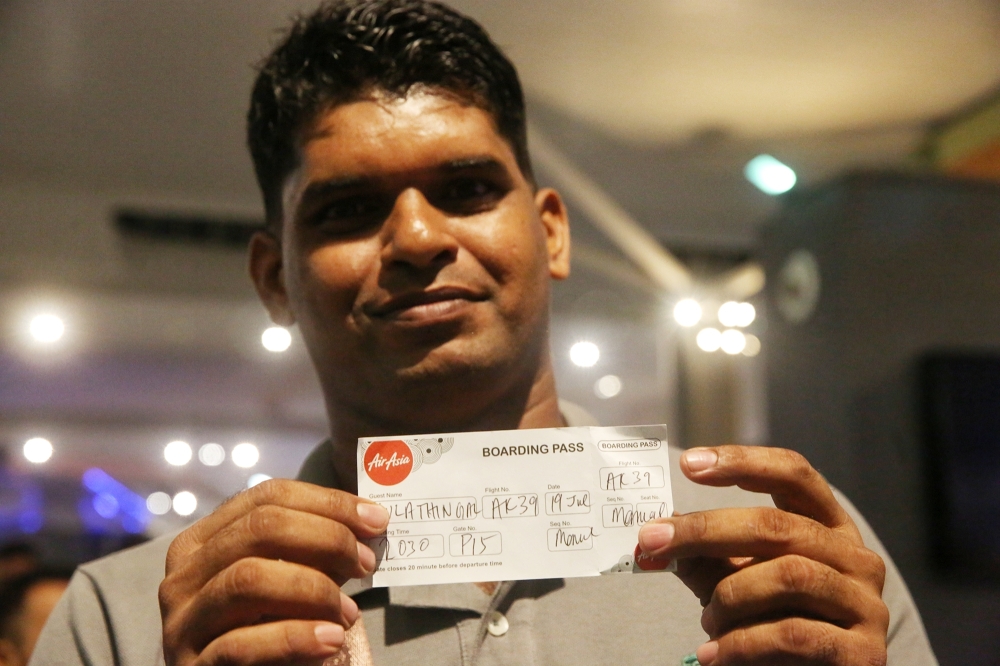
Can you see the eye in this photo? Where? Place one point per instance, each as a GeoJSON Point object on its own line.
{"type": "Point", "coordinates": [468, 196]}
{"type": "Point", "coordinates": [351, 214]}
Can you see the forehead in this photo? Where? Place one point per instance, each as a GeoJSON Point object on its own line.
{"type": "Point", "coordinates": [380, 136]}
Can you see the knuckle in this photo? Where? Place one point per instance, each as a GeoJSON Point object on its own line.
{"type": "Point", "coordinates": [272, 491]}
{"type": "Point", "coordinates": [168, 593]}
{"type": "Point", "coordinates": [881, 616]}
{"type": "Point", "coordinates": [725, 594]}
{"type": "Point", "coordinates": [798, 465]}
{"type": "Point", "coordinates": [806, 638]}
{"type": "Point", "coordinates": [875, 565]}
{"type": "Point", "coordinates": [241, 579]}
{"type": "Point", "coordinates": [340, 504]}
{"type": "Point", "coordinates": [295, 642]}
{"type": "Point", "coordinates": [797, 574]}
{"type": "Point", "coordinates": [695, 524]}
{"type": "Point", "coordinates": [771, 526]}
{"type": "Point", "coordinates": [179, 549]}
{"type": "Point", "coordinates": [263, 522]}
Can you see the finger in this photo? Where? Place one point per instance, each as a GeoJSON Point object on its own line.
{"type": "Point", "coordinates": [363, 518]}
{"type": "Point", "coordinates": [760, 532]}
{"type": "Point", "coordinates": [256, 590]}
{"type": "Point", "coordinates": [786, 475]}
{"type": "Point", "coordinates": [703, 574]}
{"type": "Point", "coordinates": [275, 532]}
{"type": "Point", "coordinates": [790, 586]}
{"type": "Point", "coordinates": [793, 641]}
{"type": "Point", "coordinates": [289, 641]}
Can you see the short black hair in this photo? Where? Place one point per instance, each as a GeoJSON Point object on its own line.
{"type": "Point", "coordinates": [349, 49]}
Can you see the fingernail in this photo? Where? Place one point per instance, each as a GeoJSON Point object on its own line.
{"type": "Point", "coordinates": [349, 608]}
{"type": "Point", "coordinates": [330, 635]}
{"type": "Point", "coordinates": [655, 536]}
{"type": "Point", "coordinates": [707, 653]}
{"type": "Point", "coordinates": [373, 515]}
{"type": "Point", "coordinates": [698, 460]}
{"type": "Point", "coordinates": [366, 558]}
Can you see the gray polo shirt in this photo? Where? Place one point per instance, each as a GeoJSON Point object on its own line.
{"type": "Point", "coordinates": [110, 613]}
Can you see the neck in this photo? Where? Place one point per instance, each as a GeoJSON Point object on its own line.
{"type": "Point", "coordinates": [533, 404]}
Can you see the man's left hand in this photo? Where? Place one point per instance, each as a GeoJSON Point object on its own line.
{"type": "Point", "coordinates": [788, 585]}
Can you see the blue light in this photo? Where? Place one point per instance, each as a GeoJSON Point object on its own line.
{"type": "Point", "coordinates": [113, 499]}
{"type": "Point", "coordinates": [131, 525]}
{"type": "Point", "coordinates": [770, 175]}
{"type": "Point", "coordinates": [105, 505]}
{"type": "Point", "coordinates": [31, 521]}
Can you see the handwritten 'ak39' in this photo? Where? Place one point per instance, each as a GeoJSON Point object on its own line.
{"type": "Point", "coordinates": [515, 504]}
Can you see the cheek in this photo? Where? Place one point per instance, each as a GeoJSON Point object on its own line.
{"type": "Point", "coordinates": [332, 276]}
{"type": "Point", "coordinates": [514, 254]}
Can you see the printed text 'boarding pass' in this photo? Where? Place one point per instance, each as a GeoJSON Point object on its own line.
{"type": "Point", "coordinates": [515, 504]}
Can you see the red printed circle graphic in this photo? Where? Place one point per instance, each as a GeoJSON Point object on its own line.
{"type": "Point", "coordinates": [647, 563]}
{"type": "Point", "coordinates": [388, 462]}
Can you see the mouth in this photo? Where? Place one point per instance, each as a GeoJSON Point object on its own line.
{"type": "Point", "coordinates": [425, 306]}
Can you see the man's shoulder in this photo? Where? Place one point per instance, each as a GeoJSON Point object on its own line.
{"type": "Point", "coordinates": [110, 612]}
{"type": "Point", "coordinates": [137, 565]}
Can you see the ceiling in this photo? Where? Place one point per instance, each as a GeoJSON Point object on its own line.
{"type": "Point", "coordinates": [107, 103]}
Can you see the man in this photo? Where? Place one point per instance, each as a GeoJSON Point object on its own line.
{"type": "Point", "coordinates": [407, 240]}
{"type": "Point", "coordinates": [26, 601]}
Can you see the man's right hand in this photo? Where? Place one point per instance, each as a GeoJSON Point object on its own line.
{"type": "Point", "coordinates": [258, 581]}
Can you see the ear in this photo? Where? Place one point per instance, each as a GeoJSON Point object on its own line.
{"type": "Point", "coordinates": [555, 222]}
{"type": "Point", "coordinates": [268, 275]}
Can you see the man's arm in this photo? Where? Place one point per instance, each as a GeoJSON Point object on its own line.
{"type": "Point", "coordinates": [792, 584]}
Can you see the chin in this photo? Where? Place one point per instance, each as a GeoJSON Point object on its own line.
{"type": "Point", "coordinates": [453, 363]}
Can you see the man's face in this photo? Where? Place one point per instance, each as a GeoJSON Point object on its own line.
{"type": "Point", "coordinates": [413, 249]}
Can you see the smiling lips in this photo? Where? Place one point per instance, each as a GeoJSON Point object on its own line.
{"type": "Point", "coordinates": [425, 306]}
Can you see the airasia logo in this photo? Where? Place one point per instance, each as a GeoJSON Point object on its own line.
{"type": "Point", "coordinates": [647, 563]}
{"type": "Point", "coordinates": [389, 462]}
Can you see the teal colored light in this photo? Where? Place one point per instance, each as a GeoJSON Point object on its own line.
{"type": "Point", "coordinates": [769, 174]}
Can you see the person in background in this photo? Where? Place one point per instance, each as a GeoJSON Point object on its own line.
{"type": "Point", "coordinates": [26, 601]}
{"type": "Point", "coordinates": [17, 559]}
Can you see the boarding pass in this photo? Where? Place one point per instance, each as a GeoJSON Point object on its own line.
{"type": "Point", "coordinates": [515, 504]}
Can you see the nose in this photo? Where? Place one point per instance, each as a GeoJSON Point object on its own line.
{"type": "Point", "coordinates": [416, 233]}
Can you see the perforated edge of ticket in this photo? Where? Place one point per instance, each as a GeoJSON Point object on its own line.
{"type": "Point", "coordinates": [515, 504]}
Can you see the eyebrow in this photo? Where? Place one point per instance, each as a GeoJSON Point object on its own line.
{"type": "Point", "coordinates": [325, 189]}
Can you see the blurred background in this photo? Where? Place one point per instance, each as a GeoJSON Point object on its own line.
{"type": "Point", "coordinates": [786, 232]}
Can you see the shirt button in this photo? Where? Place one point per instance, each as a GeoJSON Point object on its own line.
{"type": "Point", "coordinates": [497, 624]}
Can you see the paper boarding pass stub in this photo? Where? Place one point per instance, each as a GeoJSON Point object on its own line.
{"type": "Point", "coordinates": [515, 504]}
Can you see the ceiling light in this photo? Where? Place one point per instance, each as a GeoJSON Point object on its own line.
{"type": "Point", "coordinates": [177, 453]}
{"type": "Point", "coordinates": [185, 503]}
{"type": "Point", "coordinates": [212, 455]}
{"type": "Point", "coordinates": [687, 312]}
{"type": "Point", "coordinates": [608, 386]}
{"type": "Point", "coordinates": [245, 455]}
{"type": "Point", "coordinates": [276, 339]}
{"type": "Point", "coordinates": [733, 341]}
{"type": "Point", "coordinates": [753, 346]}
{"type": "Point", "coordinates": [256, 479]}
{"type": "Point", "coordinates": [584, 354]}
{"type": "Point", "coordinates": [737, 315]}
{"type": "Point", "coordinates": [769, 175]}
{"type": "Point", "coordinates": [709, 339]}
{"type": "Point", "coordinates": [38, 450]}
{"type": "Point", "coordinates": [47, 328]}
{"type": "Point", "coordinates": [158, 503]}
